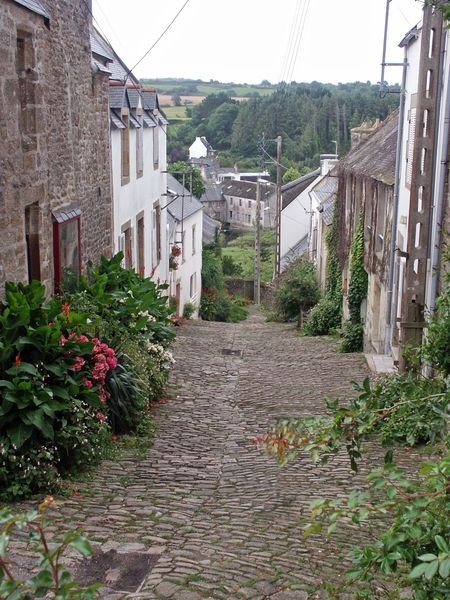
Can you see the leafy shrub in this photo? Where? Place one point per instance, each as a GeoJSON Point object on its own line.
{"type": "Point", "coordinates": [51, 578]}
{"type": "Point", "coordinates": [323, 317]}
{"type": "Point", "coordinates": [297, 289]}
{"type": "Point", "coordinates": [352, 337]}
{"type": "Point", "coordinates": [188, 310]}
{"type": "Point", "coordinates": [231, 268]}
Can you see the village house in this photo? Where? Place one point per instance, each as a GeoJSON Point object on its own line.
{"type": "Point", "coordinates": [55, 186]}
{"type": "Point", "coordinates": [366, 177]}
{"type": "Point", "coordinates": [139, 163]}
{"type": "Point", "coordinates": [200, 148]}
{"type": "Point", "coordinates": [240, 197]}
{"type": "Point", "coordinates": [185, 236]}
{"type": "Point", "coordinates": [424, 195]}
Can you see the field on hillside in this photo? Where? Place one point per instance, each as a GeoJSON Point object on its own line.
{"type": "Point", "coordinates": [202, 89]}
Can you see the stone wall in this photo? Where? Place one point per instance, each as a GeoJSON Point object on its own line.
{"type": "Point", "coordinates": [54, 127]}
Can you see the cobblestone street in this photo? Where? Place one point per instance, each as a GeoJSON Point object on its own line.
{"type": "Point", "coordinates": [208, 514]}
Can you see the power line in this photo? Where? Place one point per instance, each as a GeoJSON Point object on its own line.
{"type": "Point", "coordinates": [159, 38]}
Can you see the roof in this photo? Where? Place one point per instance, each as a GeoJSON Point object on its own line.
{"type": "Point", "coordinates": [149, 100]}
{"type": "Point", "coordinates": [184, 205]}
{"type": "Point", "coordinates": [325, 192]}
{"type": "Point", "coordinates": [117, 97]}
{"type": "Point", "coordinates": [300, 248]}
{"type": "Point", "coordinates": [291, 190]}
{"type": "Point", "coordinates": [209, 228]}
{"type": "Point", "coordinates": [35, 6]}
{"type": "Point", "coordinates": [245, 189]}
{"type": "Point", "coordinates": [375, 156]}
{"type": "Point", "coordinates": [213, 193]}
{"type": "Point", "coordinates": [206, 143]}
{"type": "Point", "coordinates": [117, 68]}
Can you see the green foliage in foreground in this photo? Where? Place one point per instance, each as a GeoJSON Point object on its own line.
{"type": "Point", "coordinates": [413, 510]}
{"type": "Point", "coordinates": [52, 580]}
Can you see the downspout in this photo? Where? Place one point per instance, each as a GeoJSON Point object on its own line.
{"type": "Point", "coordinates": [435, 252]}
{"type": "Point", "coordinates": [393, 249]}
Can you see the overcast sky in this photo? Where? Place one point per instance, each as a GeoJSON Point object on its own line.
{"type": "Point", "coordinates": [248, 40]}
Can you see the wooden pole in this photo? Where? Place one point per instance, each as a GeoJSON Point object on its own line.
{"type": "Point", "coordinates": [257, 283]}
{"type": "Point", "coordinates": [278, 212]}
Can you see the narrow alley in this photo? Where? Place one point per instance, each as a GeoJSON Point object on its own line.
{"type": "Point", "coordinates": [205, 514]}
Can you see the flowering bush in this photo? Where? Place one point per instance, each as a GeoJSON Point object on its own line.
{"type": "Point", "coordinates": [176, 250]}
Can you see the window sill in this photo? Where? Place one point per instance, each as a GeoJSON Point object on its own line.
{"type": "Point", "coordinates": [125, 180]}
{"type": "Point", "coordinates": [139, 174]}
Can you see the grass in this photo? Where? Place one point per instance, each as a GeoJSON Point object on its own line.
{"type": "Point", "coordinates": [242, 251]}
{"type": "Point", "coordinates": [175, 112]}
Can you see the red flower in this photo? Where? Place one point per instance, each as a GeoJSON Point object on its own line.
{"type": "Point", "coordinates": [79, 363]}
{"type": "Point", "coordinates": [101, 417]}
{"type": "Point", "coordinates": [18, 361]}
{"type": "Point", "coordinates": [88, 383]}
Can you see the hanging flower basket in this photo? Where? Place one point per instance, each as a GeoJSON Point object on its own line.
{"type": "Point", "coordinates": [176, 250]}
{"type": "Point", "coordinates": [173, 265]}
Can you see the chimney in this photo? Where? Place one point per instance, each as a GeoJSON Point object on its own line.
{"type": "Point", "coordinates": [361, 133]}
{"type": "Point", "coordinates": [327, 162]}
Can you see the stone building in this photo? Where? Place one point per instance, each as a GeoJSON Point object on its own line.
{"type": "Point", "coordinates": [55, 186]}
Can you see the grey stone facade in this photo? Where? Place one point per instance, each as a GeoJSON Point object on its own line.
{"type": "Point", "coordinates": [54, 127]}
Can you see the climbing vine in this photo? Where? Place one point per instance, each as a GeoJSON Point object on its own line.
{"type": "Point", "coordinates": [353, 330]}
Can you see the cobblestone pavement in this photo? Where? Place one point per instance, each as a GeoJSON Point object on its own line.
{"type": "Point", "coordinates": [212, 516]}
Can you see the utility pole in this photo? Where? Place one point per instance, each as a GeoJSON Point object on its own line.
{"type": "Point", "coordinates": [278, 212]}
{"type": "Point", "coordinates": [257, 282]}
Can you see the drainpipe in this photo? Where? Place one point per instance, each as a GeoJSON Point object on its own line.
{"type": "Point", "coordinates": [393, 249]}
{"type": "Point", "coordinates": [440, 150]}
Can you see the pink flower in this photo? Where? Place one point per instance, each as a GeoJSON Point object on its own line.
{"type": "Point", "coordinates": [82, 339]}
{"type": "Point", "coordinates": [101, 417]}
{"type": "Point", "coordinates": [79, 363]}
{"type": "Point", "coordinates": [62, 340]}
{"type": "Point", "coordinates": [88, 383]}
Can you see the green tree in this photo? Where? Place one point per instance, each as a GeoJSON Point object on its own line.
{"type": "Point", "coordinates": [179, 168]}
{"type": "Point", "coordinates": [291, 175]}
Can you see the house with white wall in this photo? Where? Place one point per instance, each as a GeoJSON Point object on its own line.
{"type": "Point", "coordinates": [184, 244]}
{"type": "Point", "coordinates": [240, 198]}
{"type": "Point", "coordinates": [200, 148]}
{"type": "Point", "coordinates": [139, 162]}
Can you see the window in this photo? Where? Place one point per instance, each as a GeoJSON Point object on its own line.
{"type": "Point", "coordinates": [32, 241]}
{"type": "Point", "coordinates": [128, 247]}
{"type": "Point", "coordinates": [156, 146]}
{"type": "Point", "coordinates": [193, 285]}
{"type": "Point", "coordinates": [156, 234]}
{"type": "Point", "coordinates": [139, 145]}
{"type": "Point", "coordinates": [193, 239]}
{"type": "Point", "coordinates": [125, 147]}
{"type": "Point", "coordinates": [240, 201]}
{"type": "Point", "coordinates": [66, 249]}
{"type": "Point", "coordinates": [249, 203]}
{"type": "Point", "coordinates": [140, 246]}
{"type": "Point", "coordinates": [27, 89]}
{"type": "Point", "coordinates": [231, 214]}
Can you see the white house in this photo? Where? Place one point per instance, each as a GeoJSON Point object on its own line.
{"type": "Point", "coordinates": [240, 197]}
{"type": "Point", "coordinates": [184, 240]}
{"type": "Point", "coordinates": [138, 151]}
{"type": "Point", "coordinates": [200, 148]}
{"type": "Point", "coordinates": [295, 217]}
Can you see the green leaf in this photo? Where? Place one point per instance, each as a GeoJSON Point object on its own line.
{"type": "Point", "coordinates": [37, 418]}
{"type": "Point", "coordinates": [441, 544]}
{"type": "Point", "coordinates": [6, 384]}
{"type": "Point", "coordinates": [431, 569]}
{"type": "Point", "coordinates": [427, 557]}
{"type": "Point", "coordinates": [24, 368]}
{"type": "Point", "coordinates": [20, 434]}
{"type": "Point", "coordinates": [82, 545]}
{"type": "Point", "coordinates": [418, 571]}
{"type": "Point", "coordinates": [444, 568]}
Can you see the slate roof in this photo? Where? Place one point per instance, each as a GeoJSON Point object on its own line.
{"type": "Point", "coordinates": [325, 192]}
{"type": "Point", "coordinates": [245, 189]}
{"type": "Point", "coordinates": [180, 208]}
{"type": "Point", "coordinates": [300, 248]}
{"type": "Point", "coordinates": [149, 100]}
{"type": "Point", "coordinates": [35, 6]}
{"type": "Point", "coordinates": [213, 193]}
{"type": "Point", "coordinates": [209, 228]}
{"type": "Point", "coordinates": [117, 97]}
{"type": "Point", "coordinates": [206, 143]}
{"type": "Point", "coordinates": [375, 156]}
{"type": "Point", "coordinates": [290, 191]}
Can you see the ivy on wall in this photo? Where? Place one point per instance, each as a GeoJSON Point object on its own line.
{"type": "Point", "coordinates": [352, 340]}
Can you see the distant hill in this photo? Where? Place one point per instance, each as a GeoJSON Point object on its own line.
{"type": "Point", "coordinates": [197, 87]}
